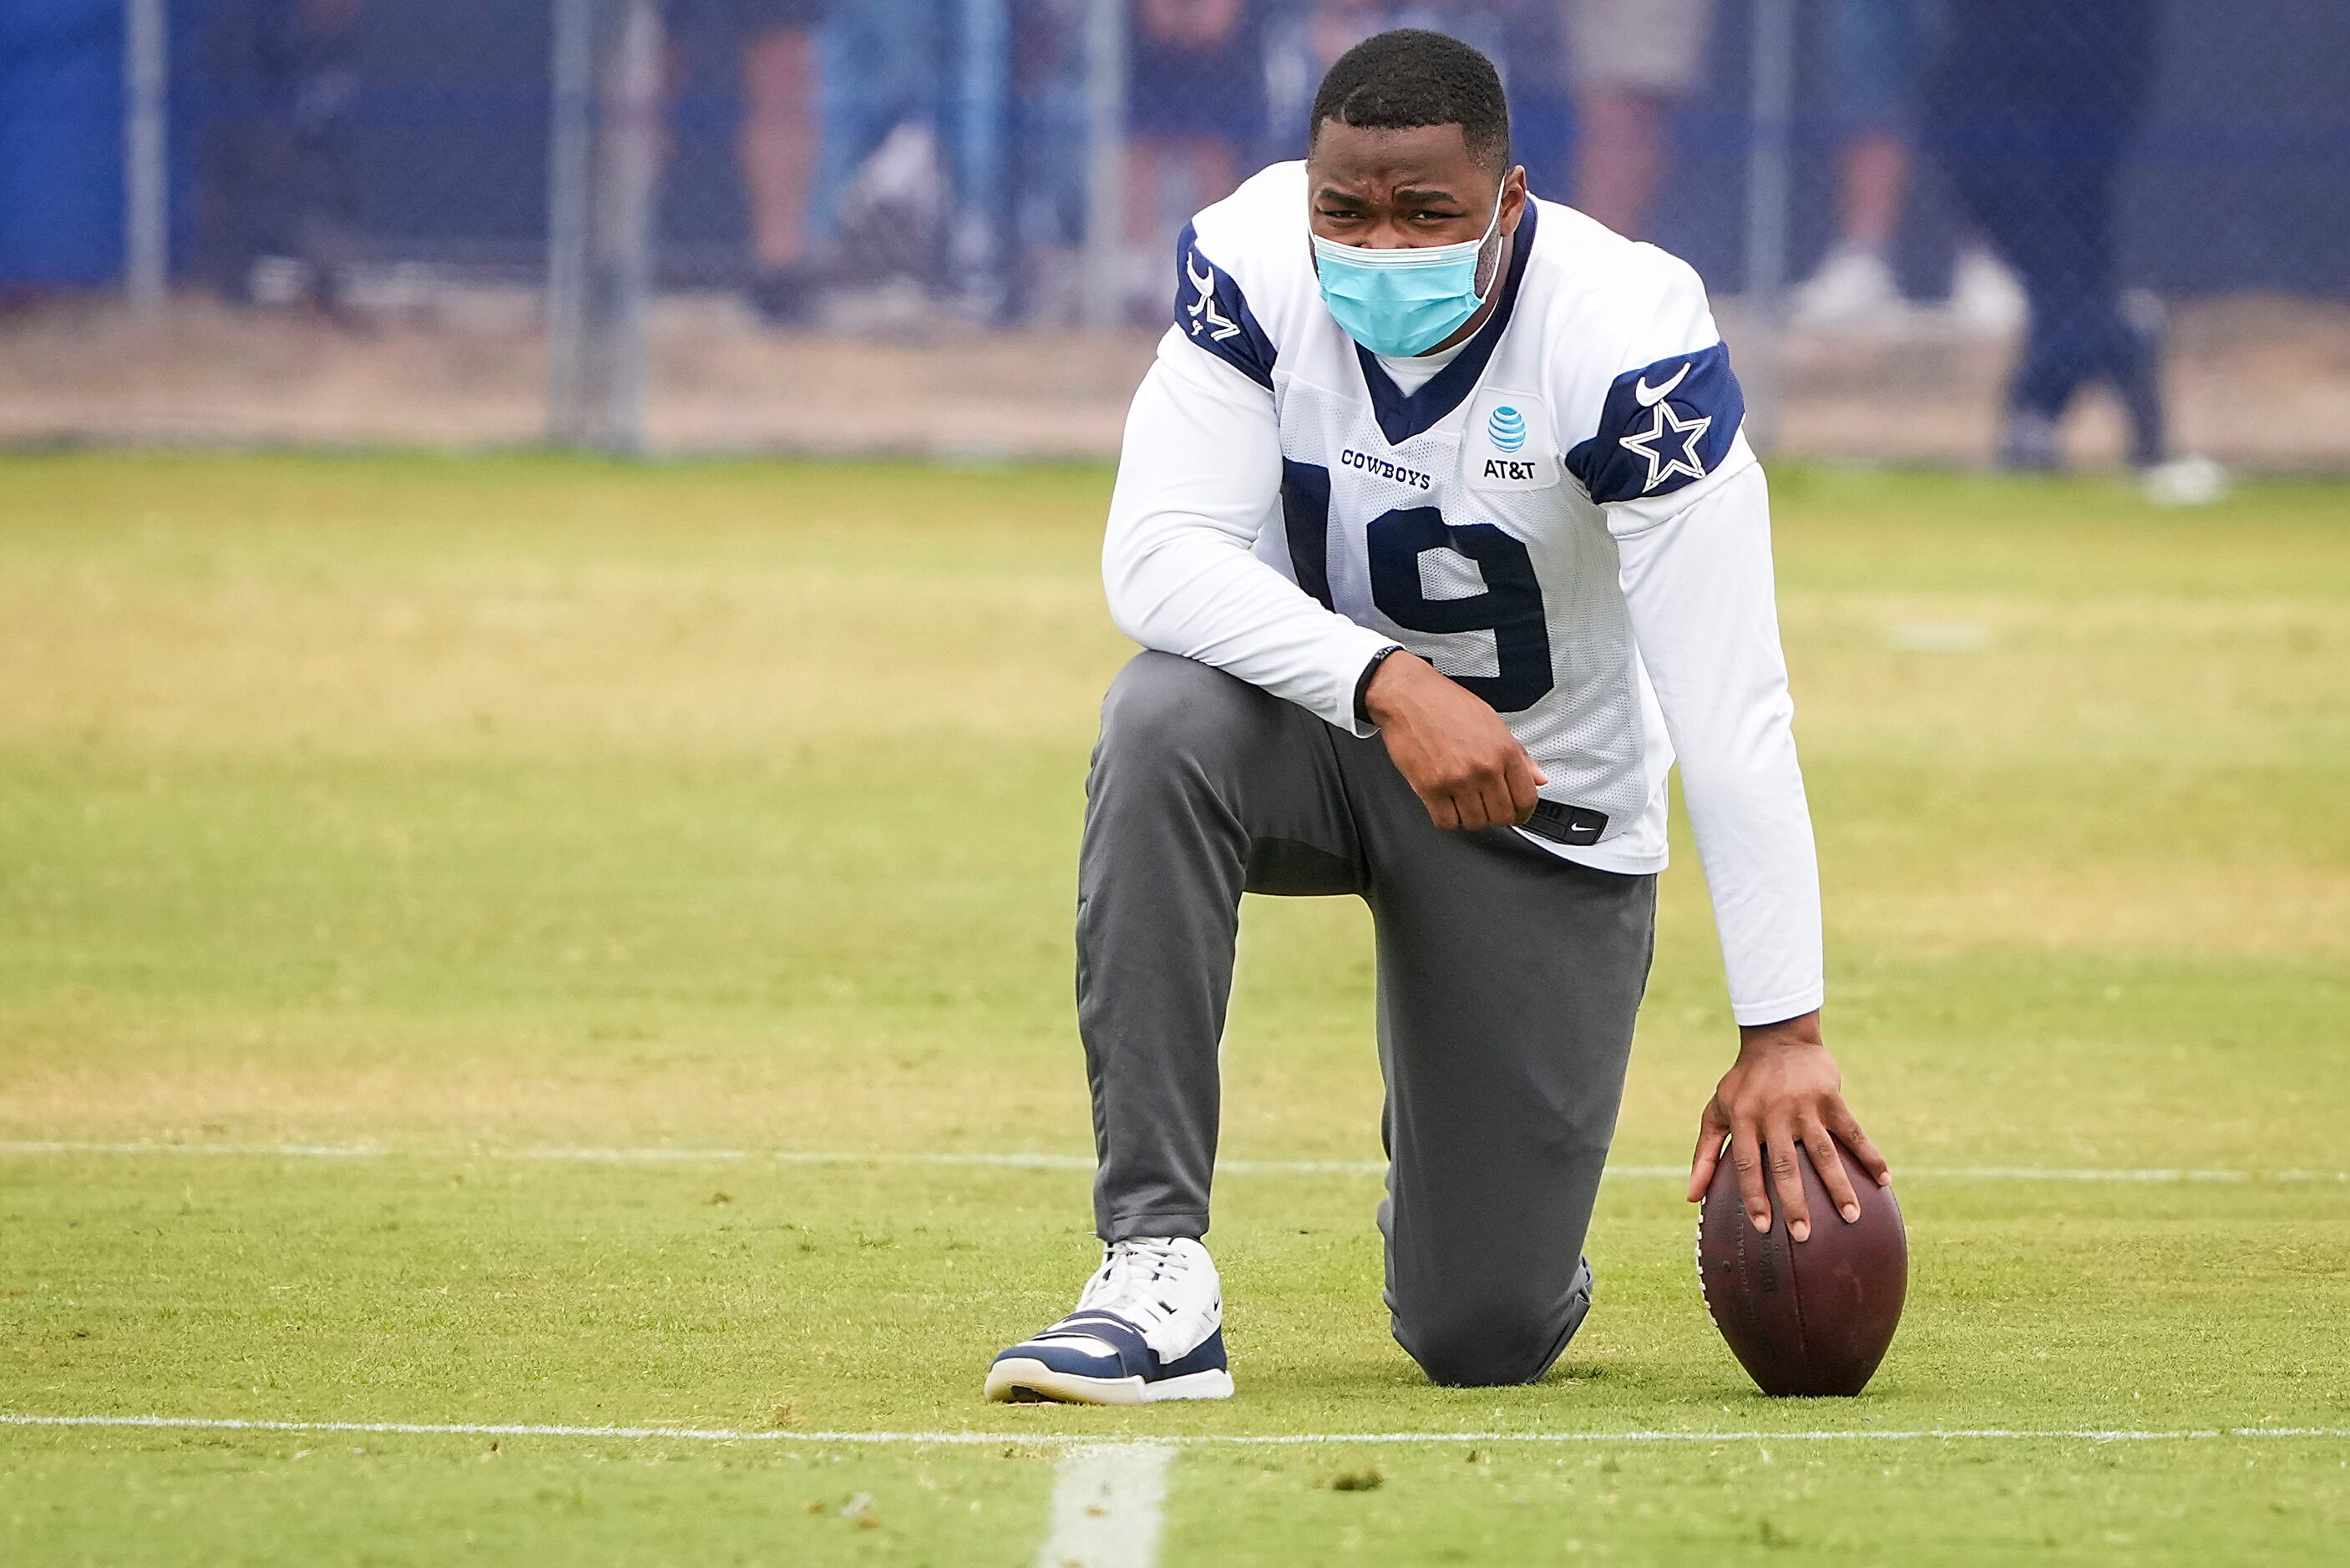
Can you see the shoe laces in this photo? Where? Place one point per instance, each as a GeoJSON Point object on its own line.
{"type": "Point", "coordinates": [1135, 1280]}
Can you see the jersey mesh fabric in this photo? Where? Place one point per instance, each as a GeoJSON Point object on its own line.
{"type": "Point", "coordinates": [1586, 731]}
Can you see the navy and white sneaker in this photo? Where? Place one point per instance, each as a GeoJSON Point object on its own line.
{"type": "Point", "coordinates": [1149, 1325]}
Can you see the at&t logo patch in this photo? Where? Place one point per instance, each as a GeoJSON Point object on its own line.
{"type": "Point", "coordinates": [1507, 427]}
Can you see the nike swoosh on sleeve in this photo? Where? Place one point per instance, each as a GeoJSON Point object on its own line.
{"type": "Point", "coordinates": [1649, 397]}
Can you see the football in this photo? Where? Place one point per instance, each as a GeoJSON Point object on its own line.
{"type": "Point", "coordinates": [1808, 1317]}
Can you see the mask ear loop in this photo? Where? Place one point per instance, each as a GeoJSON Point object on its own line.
{"type": "Point", "coordinates": [1492, 231]}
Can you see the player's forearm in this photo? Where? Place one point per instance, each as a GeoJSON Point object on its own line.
{"type": "Point", "coordinates": [1747, 810]}
{"type": "Point", "coordinates": [1762, 876]}
{"type": "Point", "coordinates": [1199, 475]}
{"type": "Point", "coordinates": [1699, 588]}
{"type": "Point", "coordinates": [1200, 597]}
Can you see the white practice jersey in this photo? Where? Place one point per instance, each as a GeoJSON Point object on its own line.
{"type": "Point", "coordinates": [1565, 518]}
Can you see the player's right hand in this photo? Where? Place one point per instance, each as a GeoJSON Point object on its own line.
{"type": "Point", "coordinates": [1453, 750]}
{"type": "Point", "coordinates": [1782, 1101]}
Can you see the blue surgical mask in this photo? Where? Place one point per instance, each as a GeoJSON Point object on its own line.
{"type": "Point", "coordinates": [1402, 302]}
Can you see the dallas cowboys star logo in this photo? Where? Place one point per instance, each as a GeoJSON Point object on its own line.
{"type": "Point", "coordinates": [1650, 444]}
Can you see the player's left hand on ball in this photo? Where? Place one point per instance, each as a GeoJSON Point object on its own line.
{"type": "Point", "coordinates": [1783, 1094]}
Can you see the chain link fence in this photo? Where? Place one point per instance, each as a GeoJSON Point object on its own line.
{"type": "Point", "coordinates": [1938, 231]}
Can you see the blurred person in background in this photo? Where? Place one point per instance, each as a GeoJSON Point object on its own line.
{"type": "Point", "coordinates": [276, 200]}
{"type": "Point", "coordinates": [884, 187]}
{"type": "Point", "coordinates": [1873, 57]}
{"type": "Point", "coordinates": [905, 212]}
{"type": "Point", "coordinates": [1522, 38]}
{"type": "Point", "coordinates": [2035, 104]}
{"type": "Point", "coordinates": [1195, 107]}
{"type": "Point", "coordinates": [1338, 26]}
{"type": "Point", "coordinates": [778, 139]}
{"type": "Point", "coordinates": [1632, 63]}
{"type": "Point", "coordinates": [1049, 156]}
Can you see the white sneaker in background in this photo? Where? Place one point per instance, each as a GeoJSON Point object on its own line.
{"type": "Point", "coordinates": [1985, 298]}
{"type": "Point", "coordinates": [2185, 482]}
{"type": "Point", "coordinates": [1854, 287]}
{"type": "Point", "coordinates": [1149, 1325]}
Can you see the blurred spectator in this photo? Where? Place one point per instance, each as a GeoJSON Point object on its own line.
{"type": "Point", "coordinates": [1305, 37]}
{"type": "Point", "coordinates": [276, 200]}
{"type": "Point", "coordinates": [1632, 62]}
{"type": "Point", "coordinates": [2035, 103]}
{"type": "Point", "coordinates": [1338, 26]}
{"type": "Point", "coordinates": [1048, 157]}
{"type": "Point", "coordinates": [884, 191]}
{"type": "Point", "coordinates": [1195, 110]}
{"type": "Point", "coordinates": [1333, 26]}
{"type": "Point", "coordinates": [779, 141]}
{"type": "Point", "coordinates": [1874, 53]}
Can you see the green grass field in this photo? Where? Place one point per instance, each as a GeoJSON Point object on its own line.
{"type": "Point", "coordinates": [521, 941]}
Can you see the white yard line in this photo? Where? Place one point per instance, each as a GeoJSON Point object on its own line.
{"type": "Point", "coordinates": [1292, 1439]}
{"type": "Point", "coordinates": [1024, 1160]}
{"type": "Point", "coordinates": [1108, 1502]}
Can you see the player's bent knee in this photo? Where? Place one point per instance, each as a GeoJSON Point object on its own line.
{"type": "Point", "coordinates": [1488, 1344]}
{"type": "Point", "coordinates": [1494, 1338]}
{"type": "Point", "coordinates": [1162, 704]}
{"type": "Point", "coordinates": [1477, 1356]}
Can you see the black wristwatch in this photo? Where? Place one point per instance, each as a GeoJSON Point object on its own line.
{"type": "Point", "coordinates": [1363, 686]}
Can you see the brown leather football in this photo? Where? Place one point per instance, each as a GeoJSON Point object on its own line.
{"type": "Point", "coordinates": [1804, 1317]}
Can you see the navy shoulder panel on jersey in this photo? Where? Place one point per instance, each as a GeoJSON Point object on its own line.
{"type": "Point", "coordinates": [1663, 426]}
{"type": "Point", "coordinates": [1214, 314]}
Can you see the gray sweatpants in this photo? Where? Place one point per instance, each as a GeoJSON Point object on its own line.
{"type": "Point", "coordinates": [1508, 979]}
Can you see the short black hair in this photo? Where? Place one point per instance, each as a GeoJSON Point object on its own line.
{"type": "Point", "coordinates": [1409, 76]}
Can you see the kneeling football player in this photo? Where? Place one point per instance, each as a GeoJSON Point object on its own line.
{"type": "Point", "coordinates": [1435, 518]}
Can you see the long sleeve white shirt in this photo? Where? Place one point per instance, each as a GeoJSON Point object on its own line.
{"type": "Point", "coordinates": [1199, 481]}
